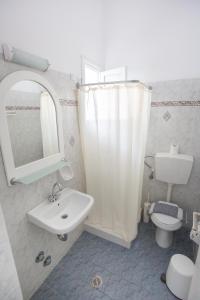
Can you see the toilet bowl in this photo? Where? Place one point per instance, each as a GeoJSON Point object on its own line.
{"type": "Point", "coordinates": [166, 225]}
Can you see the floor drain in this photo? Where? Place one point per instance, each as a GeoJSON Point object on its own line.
{"type": "Point", "coordinates": [64, 216]}
{"type": "Point", "coordinates": [96, 282]}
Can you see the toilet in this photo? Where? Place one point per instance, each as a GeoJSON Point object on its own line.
{"type": "Point", "coordinates": [172, 168]}
{"type": "Point", "coordinates": [166, 225]}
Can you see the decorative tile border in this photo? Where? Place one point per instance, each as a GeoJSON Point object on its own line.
{"type": "Point", "coordinates": [63, 102]}
{"type": "Point", "coordinates": [68, 102]}
{"type": "Point", "coordinates": [175, 103]}
{"type": "Point", "coordinates": [17, 107]}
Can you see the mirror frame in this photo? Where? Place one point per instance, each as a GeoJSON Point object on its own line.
{"type": "Point", "coordinates": [26, 170]}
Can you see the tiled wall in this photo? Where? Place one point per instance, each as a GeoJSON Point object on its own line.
{"type": "Point", "coordinates": [175, 118]}
{"type": "Point", "coordinates": [9, 282]}
{"type": "Point", "coordinates": [27, 239]}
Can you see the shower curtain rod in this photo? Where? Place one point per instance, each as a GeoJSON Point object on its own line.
{"type": "Point", "coordinates": [113, 82]}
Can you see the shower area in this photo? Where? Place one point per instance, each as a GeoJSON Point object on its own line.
{"type": "Point", "coordinates": [114, 121]}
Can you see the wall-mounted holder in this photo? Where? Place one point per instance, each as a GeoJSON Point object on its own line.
{"type": "Point", "coordinates": [66, 172]}
{"type": "Point", "coordinates": [14, 181]}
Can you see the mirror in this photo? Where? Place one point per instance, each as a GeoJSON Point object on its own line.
{"type": "Point", "coordinates": [31, 132]}
{"type": "Point", "coordinates": [32, 122]}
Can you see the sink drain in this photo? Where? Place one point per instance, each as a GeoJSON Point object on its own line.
{"type": "Point", "coordinates": [65, 216]}
{"type": "Point", "coordinates": [96, 282]}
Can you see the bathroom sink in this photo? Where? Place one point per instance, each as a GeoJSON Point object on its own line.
{"type": "Point", "coordinates": [63, 215]}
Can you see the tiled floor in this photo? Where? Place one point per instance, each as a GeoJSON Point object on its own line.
{"type": "Point", "coordinates": [127, 274]}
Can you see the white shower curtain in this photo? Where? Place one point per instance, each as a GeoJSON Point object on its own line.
{"type": "Point", "coordinates": [48, 125]}
{"type": "Point", "coordinates": [113, 124]}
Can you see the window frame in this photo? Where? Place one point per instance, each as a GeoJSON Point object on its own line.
{"type": "Point", "coordinates": [86, 62]}
{"type": "Point", "coordinates": [101, 74]}
{"type": "Point", "coordinates": [121, 71]}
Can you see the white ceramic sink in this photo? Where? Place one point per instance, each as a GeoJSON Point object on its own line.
{"type": "Point", "coordinates": [63, 215]}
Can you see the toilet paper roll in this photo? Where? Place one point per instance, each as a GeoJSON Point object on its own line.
{"type": "Point", "coordinates": [174, 149]}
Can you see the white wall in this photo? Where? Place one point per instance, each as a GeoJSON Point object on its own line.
{"type": "Point", "coordinates": [61, 30]}
{"type": "Point", "coordinates": [157, 39]}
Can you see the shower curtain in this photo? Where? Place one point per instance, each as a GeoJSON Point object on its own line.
{"type": "Point", "coordinates": [48, 125]}
{"type": "Point", "coordinates": [113, 124]}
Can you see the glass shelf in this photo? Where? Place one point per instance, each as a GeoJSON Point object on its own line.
{"type": "Point", "coordinates": [38, 175]}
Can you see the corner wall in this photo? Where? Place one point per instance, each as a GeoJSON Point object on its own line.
{"type": "Point", "coordinates": [27, 239]}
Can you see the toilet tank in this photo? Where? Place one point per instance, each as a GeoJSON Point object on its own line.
{"type": "Point", "coordinates": [173, 168]}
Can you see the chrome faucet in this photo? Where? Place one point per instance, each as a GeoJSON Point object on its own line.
{"type": "Point", "coordinates": [55, 193]}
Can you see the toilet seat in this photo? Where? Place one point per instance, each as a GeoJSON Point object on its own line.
{"type": "Point", "coordinates": [167, 222]}
{"type": "Point", "coordinates": [166, 225]}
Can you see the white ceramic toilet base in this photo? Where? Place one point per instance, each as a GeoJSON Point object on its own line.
{"type": "Point", "coordinates": [164, 238]}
